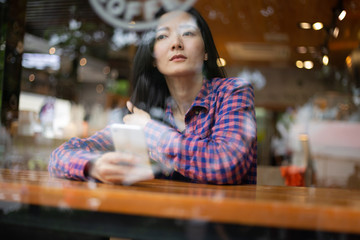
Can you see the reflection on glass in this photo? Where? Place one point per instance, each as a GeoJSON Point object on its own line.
{"type": "Point", "coordinates": [83, 62]}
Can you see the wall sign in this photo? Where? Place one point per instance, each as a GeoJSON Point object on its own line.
{"type": "Point", "coordinates": [137, 14]}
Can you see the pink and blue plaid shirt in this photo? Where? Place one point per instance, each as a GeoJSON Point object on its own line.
{"type": "Point", "coordinates": [218, 145]}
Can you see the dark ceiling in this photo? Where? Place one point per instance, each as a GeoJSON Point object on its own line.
{"type": "Point", "coordinates": [264, 23]}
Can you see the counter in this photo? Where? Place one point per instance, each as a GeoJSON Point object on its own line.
{"type": "Point", "coordinates": [161, 208]}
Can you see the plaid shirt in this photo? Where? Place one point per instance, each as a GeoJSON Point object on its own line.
{"type": "Point", "coordinates": [218, 144]}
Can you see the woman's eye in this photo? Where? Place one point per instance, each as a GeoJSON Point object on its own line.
{"type": "Point", "coordinates": [160, 37]}
{"type": "Point", "coordinates": [188, 34]}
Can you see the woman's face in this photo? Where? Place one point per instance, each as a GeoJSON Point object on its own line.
{"type": "Point", "coordinates": [179, 48]}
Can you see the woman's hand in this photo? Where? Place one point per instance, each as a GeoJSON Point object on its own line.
{"type": "Point", "coordinates": [137, 117]}
{"type": "Point", "coordinates": [120, 168]}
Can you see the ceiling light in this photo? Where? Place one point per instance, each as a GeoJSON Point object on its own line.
{"type": "Point", "coordinates": [325, 60]}
{"type": "Point", "coordinates": [299, 64]}
{"type": "Point", "coordinates": [305, 25]}
{"type": "Point", "coordinates": [308, 64]}
{"type": "Point", "coordinates": [336, 32]}
{"type": "Point", "coordinates": [83, 62]}
{"type": "Point", "coordinates": [99, 88]}
{"type": "Point", "coordinates": [302, 49]}
{"type": "Point", "coordinates": [342, 15]}
{"type": "Point", "coordinates": [221, 62]}
{"type": "Point", "coordinates": [31, 77]}
{"type": "Point", "coordinates": [106, 70]}
{"type": "Point", "coordinates": [52, 50]}
{"type": "Point", "coordinates": [317, 26]}
{"type": "Point", "coordinates": [349, 61]}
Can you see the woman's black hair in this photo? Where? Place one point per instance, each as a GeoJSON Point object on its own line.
{"type": "Point", "coordinates": [149, 88]}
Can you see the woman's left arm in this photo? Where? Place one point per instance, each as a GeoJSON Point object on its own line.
{"type": "Point", "coordinates": [227, 156]}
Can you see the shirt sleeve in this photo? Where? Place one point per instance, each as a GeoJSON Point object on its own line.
{"type": "Point", "coordinates": [223, 157]}
{"type": "Point", "coordinates": [70, 159]}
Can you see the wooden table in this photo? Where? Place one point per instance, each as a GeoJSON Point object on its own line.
{"type": "Point", "coordinates": [162, 209]}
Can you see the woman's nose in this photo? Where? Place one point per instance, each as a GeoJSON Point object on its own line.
{"type": "Point", "coordinates": [177, 43]}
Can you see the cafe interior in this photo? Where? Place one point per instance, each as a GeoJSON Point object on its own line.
{"type": "Point", "coordinates": [65, 72]}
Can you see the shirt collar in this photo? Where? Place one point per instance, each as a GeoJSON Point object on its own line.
{"type": "Point", "coordinates": [202, 100]}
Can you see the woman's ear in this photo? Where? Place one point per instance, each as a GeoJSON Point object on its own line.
{"type": "Point", "coordinates": [206, 57]}
{"type": "Point", "coordinates": [154, 64]}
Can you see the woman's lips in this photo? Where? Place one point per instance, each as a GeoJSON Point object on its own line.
{"type": "Point", "coordinates": [178, 57]}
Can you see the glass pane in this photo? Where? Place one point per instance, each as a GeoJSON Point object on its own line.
{"type": "Point", "coordinates": [77, 56]}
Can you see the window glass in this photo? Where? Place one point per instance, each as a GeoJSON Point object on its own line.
{"type": "Point", "coordinates": [66, 70]}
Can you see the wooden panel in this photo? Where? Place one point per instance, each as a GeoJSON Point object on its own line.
{"type": "Point", "coordinates": [270, 206]}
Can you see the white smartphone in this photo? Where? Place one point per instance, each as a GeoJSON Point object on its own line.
{"type": "Point", "coordinates": [131, 139]}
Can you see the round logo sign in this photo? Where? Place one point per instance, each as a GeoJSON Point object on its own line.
{"type": "Point", "coordinates": [137, 14]}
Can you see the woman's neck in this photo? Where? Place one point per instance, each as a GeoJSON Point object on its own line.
{"type": "Point", "coordinates": [184, 91]}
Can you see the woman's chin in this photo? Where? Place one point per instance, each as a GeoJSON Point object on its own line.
{"type": "Point", "coordinates": [183, 72]}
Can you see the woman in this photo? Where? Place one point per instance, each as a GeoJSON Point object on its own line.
{"type": "Point", "coordinates": [207, 132]}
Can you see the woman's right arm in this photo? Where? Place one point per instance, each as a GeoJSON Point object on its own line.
{"type": "Point", "coordinates": [72, 158]}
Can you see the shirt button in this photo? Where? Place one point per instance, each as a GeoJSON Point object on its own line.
{"type": "Point", "coordinates": [197, 112]}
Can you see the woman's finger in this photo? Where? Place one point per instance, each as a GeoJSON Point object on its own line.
{"type": "Point", "coordinates": [130, 106]}
{"type": "Point", "coordinates": [126, 118]}
{"type": "Point", "coordinates": [123, 173]}
{"type": "Point", "coordinates": [137, 110]}
{"type": "Point", "coordinates": [118, 157]}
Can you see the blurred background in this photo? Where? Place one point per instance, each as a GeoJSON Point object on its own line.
{"type": "Point", "coordinates": [65, 70]}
